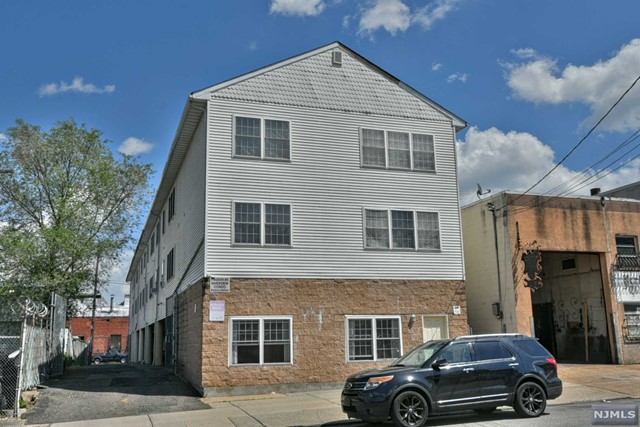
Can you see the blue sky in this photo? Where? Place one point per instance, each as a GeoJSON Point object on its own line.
{"type": "Point", "coordinates": [530, 77]}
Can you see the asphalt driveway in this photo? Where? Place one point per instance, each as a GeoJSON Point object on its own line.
{"type": "Point", "coordinates": [112, 390]}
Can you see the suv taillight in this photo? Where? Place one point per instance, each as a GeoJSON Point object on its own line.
{"type": "Point", "coordinates": [552, 360]}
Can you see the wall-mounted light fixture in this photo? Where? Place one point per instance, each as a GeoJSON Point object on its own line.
{"type": "Point", "coordinates": [412, 320]}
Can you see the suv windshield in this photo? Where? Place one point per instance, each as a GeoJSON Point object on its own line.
{"type": "Point", "coordinates": [419, 355]}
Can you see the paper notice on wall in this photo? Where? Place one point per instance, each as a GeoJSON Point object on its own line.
{"type": "Point", "coordinates": [216, 311]}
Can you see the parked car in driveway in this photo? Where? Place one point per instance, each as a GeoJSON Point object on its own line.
{"type": "Point", "coordinates": [478, 372]}
{"type": "Point", "coordinates": [113, 355]}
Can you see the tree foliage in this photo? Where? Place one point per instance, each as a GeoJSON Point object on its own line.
{"type": "Point", "coordinates": [65, 202]}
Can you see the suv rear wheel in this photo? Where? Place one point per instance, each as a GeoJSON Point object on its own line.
{"type": "Point", "coordinates": [410, 409]}
{"type": "Point", "coordinates": [530, 400]}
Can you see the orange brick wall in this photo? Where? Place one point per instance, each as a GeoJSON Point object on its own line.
{"type": "Point", "coordinates": [105, 327]}
{"type": "Point", "coordinates": [318, 309]}
{"type": "Point", "coordinates": [189, 355]}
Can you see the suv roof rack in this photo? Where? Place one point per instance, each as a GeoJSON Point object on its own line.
{"type": "Point", "coordinates": [489, 335]}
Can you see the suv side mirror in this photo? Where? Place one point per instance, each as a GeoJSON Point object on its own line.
{"type": "Point", "coordinates": [438, 363]}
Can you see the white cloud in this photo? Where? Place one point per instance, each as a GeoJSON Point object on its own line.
{"type": "Point", "coordinates": [3, 138]}
{"type": "Point", "coordinates": [77, 85]}
{"type": "Point", "coordinates": [525, 53]}
{"type": "Point", "coordinates": [517, 160]}
{"type": "Point", "coordinates": [598, 86]}
{"type": "Point", "coordinates": [117, 278]}
{"type": "Point", "coordinates": [346, 21]}
{"type": "Point", "coordinates": [395, 16]}
{"type": "Point", "coordinates": [436, 66]}
{"type": "Point", "coordinates": [297, 7]}
{"type": "Point", "coordinates": [461, 77]}
{"type": "Point", "coordinates": [392, 15]}
{"type": "Point", "coordinates": [433, 12]}
{"type": "Point", "coordinates": [253, 46]}
{"type": "Point", "coordinates": [134, 146]}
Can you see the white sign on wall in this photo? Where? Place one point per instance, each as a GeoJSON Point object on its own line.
{"type": "Point", "coordinates": [216, 311]}
{"type": "Point", "coordinates": [220, 284]}
{"type": "Point", "coordinates": [456, 309]}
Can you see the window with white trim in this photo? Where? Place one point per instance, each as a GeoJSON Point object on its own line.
{"type": "Point", "coordinates": [261, 341]}
{"type": "Point", "coordinates": [170, 264]}
{"type": "Point", "coordinates": [398, 150]}
{"type": "Point", "coordinates": [262, 224]}
{"type": "Point", "coordinates": [261, 138]}
{"type": "Point", "coordinates": [399, 229]}
{"type": "Point", "coordinates": [373, 338]}
{"type": "Point", "coordinates": [172, 205]}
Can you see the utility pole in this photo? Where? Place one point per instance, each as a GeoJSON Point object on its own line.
{"type": "Point", "coordinates": [493, 209]}
{"type": "Point", "coordinates": [93, 309]}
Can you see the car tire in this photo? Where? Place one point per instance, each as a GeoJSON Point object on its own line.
{"type": "Point", "coordinates": [123, 360]}
{"type": "Point", "coordinates": [530, 400]}
{"type": "Point", "coordinates": [97, 360]}
{"type": "Point", "coordinates": [409, 409]}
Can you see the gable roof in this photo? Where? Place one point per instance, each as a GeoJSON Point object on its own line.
{"type": "Point", "coordinates": [311, 80]}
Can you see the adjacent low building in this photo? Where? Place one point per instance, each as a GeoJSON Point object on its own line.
{"type": "Point", "coordinates": [563, 269]}
{"type": "Point", "coordinates": [306, 226]}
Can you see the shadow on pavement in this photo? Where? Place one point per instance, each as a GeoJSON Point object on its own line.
{"type": "Point", "coordinates": [112, 390]}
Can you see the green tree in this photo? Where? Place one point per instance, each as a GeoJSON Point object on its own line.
{"type": "Point", "coordinates": [65, 202]}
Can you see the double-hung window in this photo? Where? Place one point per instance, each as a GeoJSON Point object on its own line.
{"type": "Point", "coordinates": [172, 204]}
{"type": "Point", "coordinates": [170, 264]}
{"type": "Point", "coordinates": [397, 150]}
{"type": "Point", "coordinates": [400, 229]}
{"type": "Point", "coordinates": [261, 341]}
{"type": "Point", "coordinates": [266, 224]}
{"type": "Point", "coordinates": [373, 338]}
{"type": "Point", "coordinates": [261, 138]}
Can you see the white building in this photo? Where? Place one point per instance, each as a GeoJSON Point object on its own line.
{"type": "Point", "coordinates": [320, 193]}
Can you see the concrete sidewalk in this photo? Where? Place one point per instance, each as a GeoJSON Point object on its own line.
{"type": "Point", "coordinates": [582, 383]}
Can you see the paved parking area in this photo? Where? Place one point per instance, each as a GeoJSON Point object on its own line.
{"type": "Point", "coordinates": [112, 390]}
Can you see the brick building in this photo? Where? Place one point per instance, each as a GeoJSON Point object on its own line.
{"type": "Point", "coordinates": [110, 332]}
{"type": "Point", "coordinates": [566, 271]}
{"type": "Point", "coordinates": [306, 226]}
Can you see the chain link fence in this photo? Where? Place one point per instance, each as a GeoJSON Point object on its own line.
{"type": "Point", "coordinates": [31, 347]}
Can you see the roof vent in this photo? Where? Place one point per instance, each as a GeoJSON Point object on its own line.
{"type": "Point", "coordinates": [336, 58]}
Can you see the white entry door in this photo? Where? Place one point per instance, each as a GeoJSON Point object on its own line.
{"type": "Point", "coordinates": [435, 327]}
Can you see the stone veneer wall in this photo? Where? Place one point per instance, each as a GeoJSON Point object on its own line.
{"type": "Point", "coordinates": [318, 309]}
{"type": "Point", "coordinates": [190, 316]}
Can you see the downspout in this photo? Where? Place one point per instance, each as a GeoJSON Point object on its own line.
{"type": "Point", "coordinates": [493, 209]}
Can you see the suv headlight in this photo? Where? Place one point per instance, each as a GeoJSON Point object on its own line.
{"type": "Point", "coordinates": [376, 381]}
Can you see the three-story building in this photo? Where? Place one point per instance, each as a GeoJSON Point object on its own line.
{"type": "Point", "coordinates": [307, 225]}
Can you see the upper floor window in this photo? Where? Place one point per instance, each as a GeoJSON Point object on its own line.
{"type": "Point", "coordinates": [262, 224]}
{"type": "Point", "coordinates": [261, 138]}
{"type": "Point", "coordinates": [398, 150]}
{"type": "Point", "coordinates": [373, 338]}
{"type": "Point", "coordinates": [627, 252]}
{"type": "Point", "coordinates": [172, 204]}
{"type": "Point", "coordinates": [153, 242]}
{"type": "Point", "coordinates": [170, 264]}
{"type": "Point", "coordinates": [396, 229]}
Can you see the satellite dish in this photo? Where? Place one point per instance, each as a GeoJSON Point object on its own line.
{"type": "Point", "coordinates": [479, 192]}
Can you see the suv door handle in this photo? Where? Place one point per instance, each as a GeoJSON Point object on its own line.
{"type": "Point", "coordinates": [514, 365]}
{"type": "Point", "coordinates": [468, 370]}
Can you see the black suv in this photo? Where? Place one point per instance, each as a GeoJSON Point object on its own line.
{"type": "Point", "coordinates": [478, 372]}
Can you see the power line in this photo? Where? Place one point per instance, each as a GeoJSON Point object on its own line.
{"type": "Point", "coordinates": [575, 146]}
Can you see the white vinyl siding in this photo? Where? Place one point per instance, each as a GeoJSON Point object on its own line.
{"type": "Point", "coordinates": [327, 189]}
{"type": "Point", "coordinates": [261, 138]}
{"type": "Point", "coordinates": [373, 338]}
{"type": "Point", "coordinates": [260, 340]}
{"type": "Point", "coordinates": [397, 150]}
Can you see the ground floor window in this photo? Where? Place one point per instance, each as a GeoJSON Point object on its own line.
{"type": "Point", "coordinates": [258, 341]}
{"type": "Point", "coordinates": [373, 337]}
{"type": "Point", "coordinates": [631, 325]}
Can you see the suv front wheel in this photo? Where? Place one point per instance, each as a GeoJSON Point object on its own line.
{"type": "Point", "coordinates": [530, 400]}
{"type": "Point", "coordinates": [410, 409]}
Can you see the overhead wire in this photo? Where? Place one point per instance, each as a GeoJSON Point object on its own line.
{"type": "Point", "coordinates": [575, 147]}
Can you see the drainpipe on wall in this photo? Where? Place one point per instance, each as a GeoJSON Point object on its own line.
{"type": "Point", "coordinates": [493, 209]}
